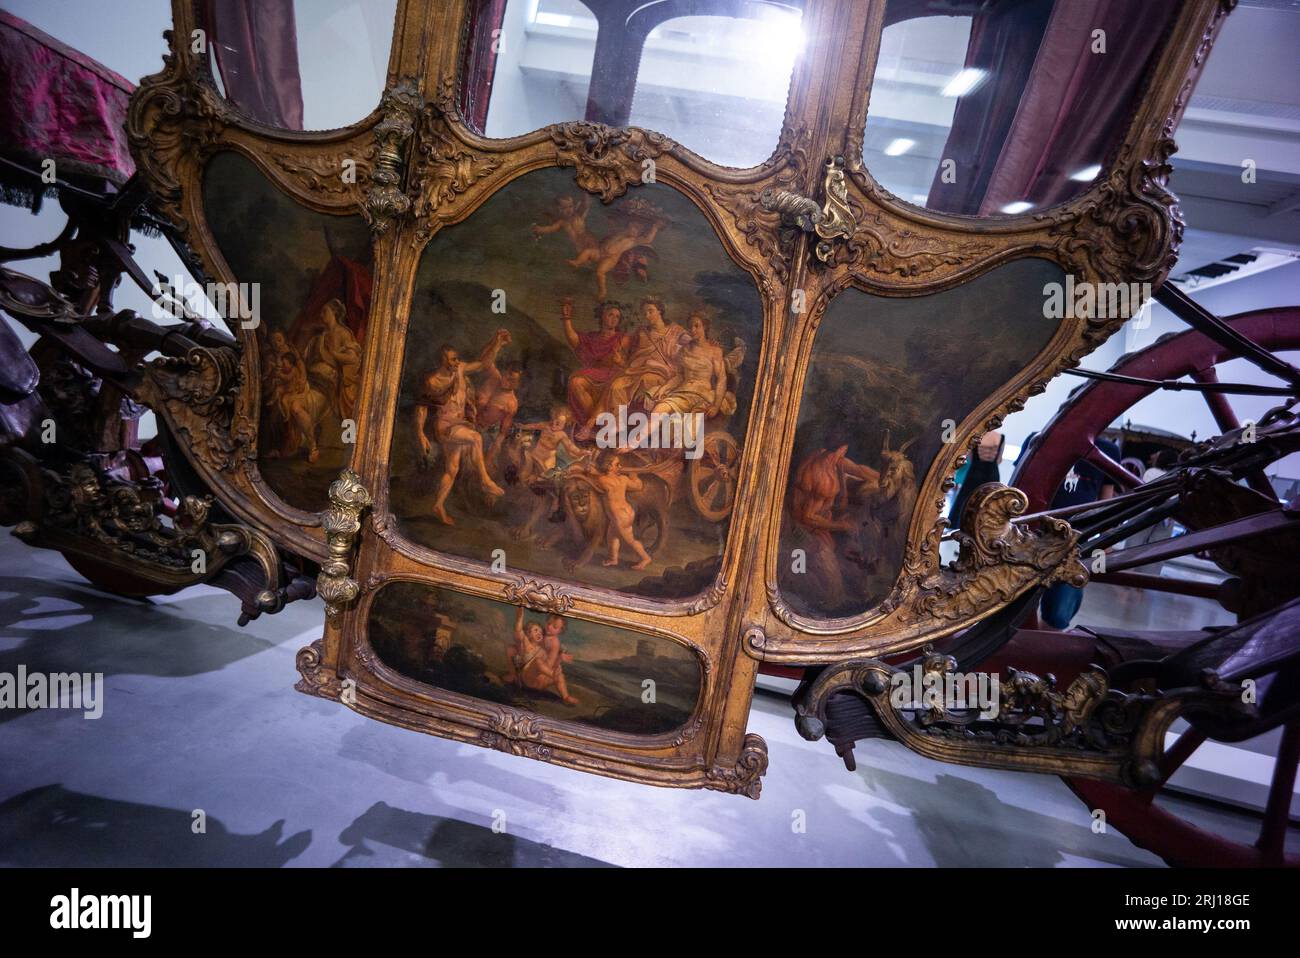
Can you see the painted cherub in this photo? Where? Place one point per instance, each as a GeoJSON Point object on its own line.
{"type": "Point", "coordinates": [541, 457]}
{"type": "Point", "coordinates": [637, 223]}
{"type": "Point", "coordinates": [570, 215]}
{"type": "Point", "coordinates": [613, 485]}
{"type": "Point", "coordinates": [556, 656]}
{"type": "Point", "coordinates": [524, 654]}
{"type": "Point", "coordinates": [536, 657]}
{"type": "Point", "coordinates": [630, 240]}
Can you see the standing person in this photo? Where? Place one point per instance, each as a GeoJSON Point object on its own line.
{"type": "Point", "coordinates": [600, 352]}
{"type": "Point", "coordinates": [1082, 484]}
{"type": "Point", "coordinates": [445, 393]}
{"type": "Point", "coordinates": [982, 468]}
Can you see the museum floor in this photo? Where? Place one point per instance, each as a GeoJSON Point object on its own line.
{"type": "Point", "coordinates": [200, 714]}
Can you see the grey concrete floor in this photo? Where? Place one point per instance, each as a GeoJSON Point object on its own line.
{"type": "Point", "coordinates": [201, 715]}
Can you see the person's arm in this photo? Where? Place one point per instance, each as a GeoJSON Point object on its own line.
{"type": "Point", "coordinates": [519, 626]}
{"type": "Point", "coordinates": [811, 520]}
{"type": "Point", "coordinates": [570, 334]}
{"type": "Point", "coordinates": [720, 379]}
{"type": "Point", "coordinates": [859, 471]}
{"type": "Point", "coordinates": [489, 354]}
{"type": "Point", "coordinates": [421, 417]}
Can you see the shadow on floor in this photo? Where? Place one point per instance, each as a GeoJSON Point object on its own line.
{"type": "Point", "coordinates": [449, 842]}
{"type": "Point", "coordinates": [965, 825]}
{"type": "Point", "coordinates": [52, 827]}
{"type": "Point", "coordinates": [112, 636]}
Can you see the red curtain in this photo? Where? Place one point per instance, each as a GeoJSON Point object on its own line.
{"type": "Point", "coordinates": [255, 43]}
{"type": "Point", "coordinates": [480, 64]}
{"type": "Point", "coordinates": [1004, 41]}
{"type": "Point", "coordinates": [342, 279]}
{"type": "Point", "coordinates": [1049, 105]}
{"type": "Point", "coordinates": [1077, 104]}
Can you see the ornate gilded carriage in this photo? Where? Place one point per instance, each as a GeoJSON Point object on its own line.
{"type": "Point", "coordinates": [835, 294]}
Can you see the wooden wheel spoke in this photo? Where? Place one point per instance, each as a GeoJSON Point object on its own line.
{"type": "Point", "coordinates": [1175, 756]}
{"type": "Point", "coordinates": [1277, 813]}
{"type": "Point", "coordinates": [1111, 468]}
{"type": "Point", "coordinates": [717, 501]}
{"type": "Point", "coordinates": [1226, 419]}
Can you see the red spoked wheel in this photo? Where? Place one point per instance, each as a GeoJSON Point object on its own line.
{"type": "Point", "coordinates": [1235, 520]}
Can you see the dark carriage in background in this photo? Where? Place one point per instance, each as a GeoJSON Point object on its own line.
{"type": "Point", "coordinates": [431, 313]}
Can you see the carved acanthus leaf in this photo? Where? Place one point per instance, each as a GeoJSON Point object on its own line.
{"type": "Point", "coordinates": [198, 392]}
{"type": "Point", "coordinates": [341, 522]}
{"type": "Point", "coordinates": [539, 596]}
{"type": "Point", "coordinates": [608, 160]}
{"type": "Point", "coordinates": [746, 776]}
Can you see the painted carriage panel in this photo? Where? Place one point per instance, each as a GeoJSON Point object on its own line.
{"type": "Point", "coordinates": [313, 279]}
{"type": "Point", "coordinates": [576, 388]}
{"type": "Point", "coordinates": [888, 380]}
{"type": "Point", "coordinates": [557, 666]}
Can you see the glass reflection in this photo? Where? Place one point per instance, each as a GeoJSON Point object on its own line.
{"type": "Point", "coordinates": [297, 65]}
{"type": "Point", "coordinates": [1000, 108]}
{"type": "Point", "coordinates": [713, 75]}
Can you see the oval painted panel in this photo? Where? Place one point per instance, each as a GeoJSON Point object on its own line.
{"type": "Point", "coordinates": [556, 666]}
{"type": "Point", "coordinates": [308, 279]}
{"type": "Point", "coordinates": [884, 376]}
{"type": "Point", "coordinates": [576, 388]}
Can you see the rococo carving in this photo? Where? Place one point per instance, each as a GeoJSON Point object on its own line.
{"type": "Point", "coordinates": [833, 220]}
{"type": "Point", "coordinates": [539, 596]}
{"type": "Point", "coordinates": [198, 392]}
{"type": "Point", "coordinates": [341, 521]}
{"type": "Point", "coordinates": [608, 160]}
{"type": "Point", "coordinates": [386, 200]}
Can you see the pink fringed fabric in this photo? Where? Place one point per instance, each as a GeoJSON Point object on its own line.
{"type": "Point", "coordinates": [57, 103]}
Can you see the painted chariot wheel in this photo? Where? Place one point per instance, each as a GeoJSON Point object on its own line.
{"type": "Point", "coordinates": [712, 477]}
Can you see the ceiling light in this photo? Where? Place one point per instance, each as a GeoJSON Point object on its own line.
{"type": "Point", "coordinates": [1087, 174]}
{"type": "Point", "coordinates": [899, 146]}
{"type": "Point", "coordinates": [964, 82]}
{"type": "Point", "coordinates": [1019, 206]}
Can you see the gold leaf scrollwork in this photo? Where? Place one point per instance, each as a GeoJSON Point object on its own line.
{"type": "Point", "coordinates": [198, 392]}
{"type": "Point", "coordinates": [443, 169]}
{"type": "Point", "coordinates": [385, 200]}
{"type": "Point", "coordinates": [746, 776]}
{"type": "Point", "coordinates": [832, 220]}
{"type": "Point", "coordinates": [341, 522]}
{"type": "Point", "coordinates": [539, 596]}
{"type": "Point", "coordinates": [998, 557]}
{"type": "Point", "coordinates": [608, 160]}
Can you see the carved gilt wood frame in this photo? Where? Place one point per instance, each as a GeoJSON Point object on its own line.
{"type": "Point", "coordinates": [421, 168]}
